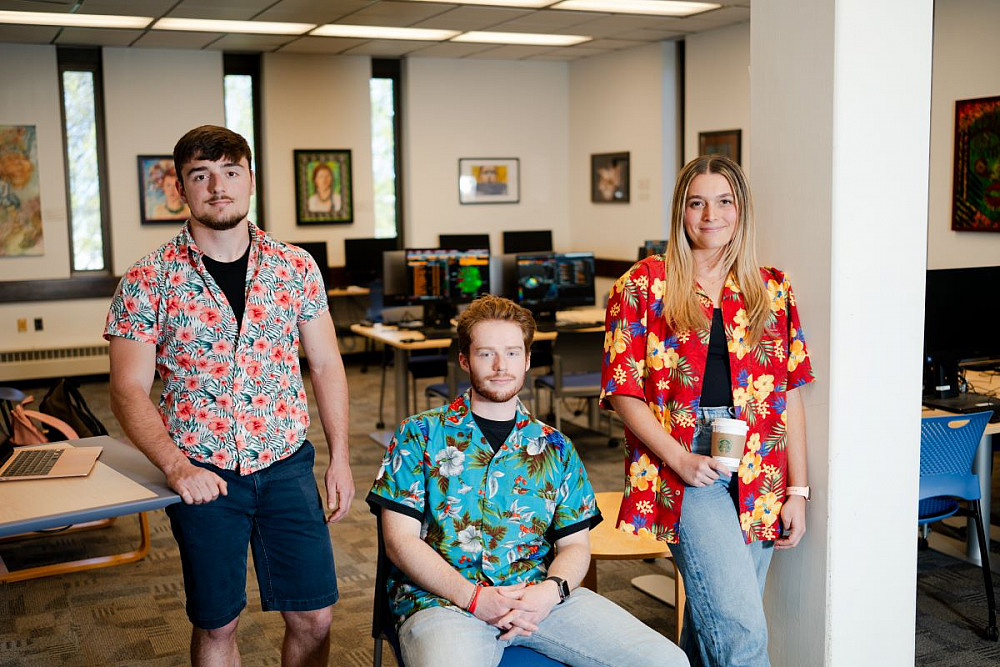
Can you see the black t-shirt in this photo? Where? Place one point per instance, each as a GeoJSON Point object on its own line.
{"type": "Point", "coordinates": [496, 432]}
{"type": "Point", "coordinates": [717, 389]}
{"type": "Point", "coordinates": [232, 280]}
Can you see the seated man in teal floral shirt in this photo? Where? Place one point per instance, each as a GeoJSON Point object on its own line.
{"type": "Point", "coordinates": [473, 498]}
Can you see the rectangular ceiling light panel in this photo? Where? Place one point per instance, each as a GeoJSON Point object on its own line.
{"type": "Point", "coordinates": [651, 7]}
{"type": "Point", "coordinates": [245, 27]}
{"type": "Point", "coordinates": [75, 20]}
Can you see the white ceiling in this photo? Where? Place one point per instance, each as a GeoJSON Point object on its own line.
{"type": "Point", "coordinates": [611, 32]}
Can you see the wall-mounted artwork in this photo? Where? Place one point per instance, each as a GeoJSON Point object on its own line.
{"type": "Point", "coordinates": [159, 198]}
{"type": "Point", "coordinates": [20, 202]}
{"type": "Point", "coordinates": [976, 189]}
{"type": "Point", "coordinates": [323, 192]}
{"type": "Point", "coordinates": [609, 178]}
{"type": "Point", "coordinates": [489, 180]}
{"type": "Point", "coordinates": [723, 142]}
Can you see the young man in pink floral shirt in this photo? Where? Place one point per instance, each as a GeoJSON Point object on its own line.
{"type": "Point", "coordinates": [219, 312]}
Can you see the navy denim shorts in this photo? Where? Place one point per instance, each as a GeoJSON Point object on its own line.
{"type": "Point", "coordinates": [279, 513]}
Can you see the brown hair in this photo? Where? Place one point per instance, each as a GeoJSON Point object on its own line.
{"type": "Point", "coordinates": [494, 308]}
{"type": "Point", "coordinates": [681, 305]}
{"type": "Point", "coordinates": [210, 142]}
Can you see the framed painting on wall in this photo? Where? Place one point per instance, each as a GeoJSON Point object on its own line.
{"type": "Point", "coordinates": [723, 142]}
{"type": "Point", "coordinates": [609, 178]}
{"type": "Point", "coordinates": [976, 188]}
{"type": "Point", "coordinates": [489, 180]}
{"type": "Point", "coordinates": [323, 193]}
{"type": "Point", "coordinates": [20, 199]}
{"type": "Point", "coordinates": [159, 198]}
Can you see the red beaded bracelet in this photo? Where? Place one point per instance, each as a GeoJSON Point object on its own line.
{"type": "Point", "coordinates": [475, 597]}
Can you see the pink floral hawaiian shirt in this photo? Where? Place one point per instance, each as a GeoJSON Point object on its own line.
{"type": "Point", "coordinates": [236, 401]}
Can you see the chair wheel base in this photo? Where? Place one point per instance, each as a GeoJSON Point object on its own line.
{"type": "Point", "coordinates": [992, 633]}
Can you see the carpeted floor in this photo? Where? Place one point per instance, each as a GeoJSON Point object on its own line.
{"type": "Point", "coordinates": [134, 614]}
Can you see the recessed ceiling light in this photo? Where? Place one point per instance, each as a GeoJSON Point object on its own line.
{"type": "Point", "coordinates": [653, 7]}
{"type": "Point", "coordinates": [75, 20]}
{"type": "Point", "coordinates": [249, 27]}
{"type": "Point", "coordinates": [526, 38]}
{"type": "Point", "coordinates": [382, 32]}
{"type": "Point", "coordinates": [531, 4]}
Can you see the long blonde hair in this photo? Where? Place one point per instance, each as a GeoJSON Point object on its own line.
{"type": "Point", "coordinates": [681, 305]}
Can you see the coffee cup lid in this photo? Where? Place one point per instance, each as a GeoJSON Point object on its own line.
{"type": "Point", "coordinates": [730, 425]}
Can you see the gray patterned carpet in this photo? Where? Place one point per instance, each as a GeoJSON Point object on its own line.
{"type": "Point", "coordinates": [134, 614]}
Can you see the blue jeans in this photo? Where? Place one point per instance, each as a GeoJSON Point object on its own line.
{"type": "Point", "coordinates": [724, 621]}
{"type": "Point", "coordinates": [586, 629]}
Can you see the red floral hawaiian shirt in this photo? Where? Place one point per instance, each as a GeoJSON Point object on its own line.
{"type": "Point", "coordinates": [645, 358]}
{"type": "Point", "coordinates": [236, 401]}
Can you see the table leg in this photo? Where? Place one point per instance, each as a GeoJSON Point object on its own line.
{"type": "Point", "coordinates": [86, 563]}
{"type": "Point", "coordinates": [983, 468]}
{"type": "Point", "coordinates": [401, 357]}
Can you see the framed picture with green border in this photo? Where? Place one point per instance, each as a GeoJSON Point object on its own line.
{"type": "Point", "coordinates": [323, 192]}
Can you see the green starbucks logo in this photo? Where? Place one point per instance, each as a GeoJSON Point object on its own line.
{"type": "Point", "coordinates": [725, 446]}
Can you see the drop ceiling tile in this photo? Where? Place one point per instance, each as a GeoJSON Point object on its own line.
{"type": "Point", "coordinates": [232, 10]}
{"type": "Point", "coordinates": [168, 39]}
{"type": "Point", "coordinates": [610, 26]}
{"type": "Point", "coordinates": [613, 44]}
{"type": "Point", "coordinates": [311, 11]}
{"type": "Point", "coordinates": [649, 35]}
{"type": "Point", "coordinates": [472, 18]}
{"type": "Point", "coordinates": [512, 52]}
{"type": "Point", "coordinates": [28, 34]}
{"type": "Point", "coordinates": [251, 43]}
{"type": "Point", "coordinates": [320, 45]}
{"type": "Point", "coordinates": [35, 6]}
{"type": "Point", "coordinates": [154, 8]}
{"type": "Point", "coordinates": [385, 48]}
{"type": "Point", "coordinates": [449, 50]}
{"type": "Point", "coordinates": [395, 14]}
{"type": "Point", "coordinates": [547, 21]}
{"type": "Point", "coordinates": [97, 37]}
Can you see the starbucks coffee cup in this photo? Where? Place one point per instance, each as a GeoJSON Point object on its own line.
{"type": "Point", "coordinates": [728, 438]}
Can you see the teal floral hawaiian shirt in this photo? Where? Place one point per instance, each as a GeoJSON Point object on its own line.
{"type": "Point", "coordinates": [493, 517]}
{"type": "Point", "coordinates": [232, 398]}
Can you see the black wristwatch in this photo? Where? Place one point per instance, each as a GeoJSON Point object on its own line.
{"type": "Point", "coordinates": [562, 586]}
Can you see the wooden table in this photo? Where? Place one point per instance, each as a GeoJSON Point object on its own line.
{"type": "Point", "coordinates": [609, 543]}
{"type": "Point", "coordinates": [123, 482]}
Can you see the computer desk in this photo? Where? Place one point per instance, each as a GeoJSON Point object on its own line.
{"type": "Point", "coordinates": [123, 482]}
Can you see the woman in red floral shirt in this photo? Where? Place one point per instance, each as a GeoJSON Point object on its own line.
{"type": "Point", "coordinates": [700, 333]}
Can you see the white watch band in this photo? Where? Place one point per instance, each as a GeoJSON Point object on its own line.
{"type": "Point", "coordinates": [797, 491]}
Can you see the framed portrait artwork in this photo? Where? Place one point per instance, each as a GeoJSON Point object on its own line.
{"type": "Point", "coordinates": [976, 188]}
{"type": "Point", "coordinates": [489, 180]}
{"type": "Point", "coordinates": [323, 192]}
{"type": "Point", "coordinates": [609, 178]}
{"type": "Point", "coordinates": [723, 142]}
{"type": "Point", "coordinates": [159, 197]}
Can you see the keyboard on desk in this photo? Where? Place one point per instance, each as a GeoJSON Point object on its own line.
{"type": "Point", "coordinates": [432, 333]}
{"type": "Point", "coordinates": [33, 462]}
{"type": "Point", "coordinates": [966, 403]}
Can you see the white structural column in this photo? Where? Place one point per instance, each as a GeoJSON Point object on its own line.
{"type": "Point", "coordinates": [840, 118]}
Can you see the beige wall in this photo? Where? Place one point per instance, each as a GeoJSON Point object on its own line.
{"type": "Point", "coordinates": [316, 102]}
{"type": "Point", "coordinates": [485, 108]}
{"type": "Point", "coordinates": [965, 67]}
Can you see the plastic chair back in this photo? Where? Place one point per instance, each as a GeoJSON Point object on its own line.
{"type": "Point", "coordinates": [947, 448]}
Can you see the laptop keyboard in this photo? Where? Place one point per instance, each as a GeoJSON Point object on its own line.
{"type": "Point", "coordinates": [36, 462]}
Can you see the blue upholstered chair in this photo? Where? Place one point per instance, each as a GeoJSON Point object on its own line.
{"type": "Point", "coordinates": [947, 486]}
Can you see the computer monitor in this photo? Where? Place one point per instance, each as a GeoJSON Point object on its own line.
{"type": "Point", "coordinates": [960, 325]}
{"type": "Point", "coordinates": [464, 241]}
{"type": "Point", "coordinates": [318, 251]}
{"type": "Point", "coordinates": [535, 240]}
{"type": "Point", "coordinates": [442, 278]}
{"type": "Point", "coordinates": [363, 258]}
{"type": "Point", "coordinates": [395, 278]}
{"type": "Point", "coordinates": [547, 282]}
{"type": "Point", "coordinates": [652, 247]}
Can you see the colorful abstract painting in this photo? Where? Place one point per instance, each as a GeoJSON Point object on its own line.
{"type": "Point", "coordinates": [20, 204]}
{"type": "Point", "coordinates": [976, 192]}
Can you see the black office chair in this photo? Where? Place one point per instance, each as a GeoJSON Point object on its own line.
{"type": "Point", "coordinates": [384, 625]}
{"type": "Point", "coordinates": [576, 370]}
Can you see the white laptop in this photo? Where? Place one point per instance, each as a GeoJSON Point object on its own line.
{"type": "Point", "coordinates": [24, 463]}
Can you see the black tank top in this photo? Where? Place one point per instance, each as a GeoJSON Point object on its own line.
{"type": "Point", "coordinates": [717, 389]}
